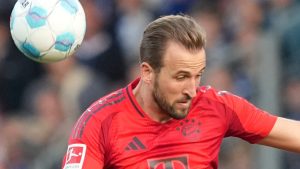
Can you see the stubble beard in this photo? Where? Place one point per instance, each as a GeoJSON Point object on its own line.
{"type": "Point", "coordinates": [170, 109]}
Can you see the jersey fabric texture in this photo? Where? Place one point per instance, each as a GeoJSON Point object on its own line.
{"type": "Point", "coordinates": [115, 133]}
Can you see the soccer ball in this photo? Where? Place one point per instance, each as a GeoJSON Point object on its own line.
{"type": "Point", "coordinates": [47, 30]}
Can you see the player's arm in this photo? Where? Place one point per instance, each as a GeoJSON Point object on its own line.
{"type": "Point", "coordinates": [85, 148]}
{"type": "Point", "coordinates": [78, 156]}
{"type": "Point", "coordinates": [284, 135]}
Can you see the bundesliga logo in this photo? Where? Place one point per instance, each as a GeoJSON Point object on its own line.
{"type": "Point", "coordinates": [75, 156]}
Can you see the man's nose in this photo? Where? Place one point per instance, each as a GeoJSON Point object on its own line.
{"type": "Point", "coordinates": [191, 88]}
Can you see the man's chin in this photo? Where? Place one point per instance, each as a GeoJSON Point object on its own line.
{"type": "Point", "coordinates": [179, 114]}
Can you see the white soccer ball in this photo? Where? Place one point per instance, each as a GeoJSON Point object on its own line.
{"type": "Point", "coordinates": [47, 30]}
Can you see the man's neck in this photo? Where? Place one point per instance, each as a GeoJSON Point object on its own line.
{"type": "Point", "coordinates": [143, 95]}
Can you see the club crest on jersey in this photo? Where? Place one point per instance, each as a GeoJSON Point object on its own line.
{"type": "Point", "coordinates": [189, 128]}
{"type": "Point", "coordinates": [75, 156]}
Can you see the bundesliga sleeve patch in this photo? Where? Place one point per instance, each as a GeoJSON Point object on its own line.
{"type": "Point", "coordinates": [75, 156]}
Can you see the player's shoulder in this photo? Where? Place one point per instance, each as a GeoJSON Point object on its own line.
{"type": "Point", "coordinates": [107, 105]}
{"type": "Point", "coordinates": [210, 92]}
{"type": "Point", "coordinates": [99, 115]}
{"type": "Point", "coordinates": [221, 96]}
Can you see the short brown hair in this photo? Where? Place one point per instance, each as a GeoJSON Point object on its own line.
{"type": "Point", "coordinates": [179, 28]}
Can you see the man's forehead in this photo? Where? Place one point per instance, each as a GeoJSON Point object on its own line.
{"type": "Point", "coordinates": [177, 57]}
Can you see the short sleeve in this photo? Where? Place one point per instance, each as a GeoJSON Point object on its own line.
{"type": "Point", "coordinates": [85, 148]}
{"type": "Point", "coordinates": [245, 120]}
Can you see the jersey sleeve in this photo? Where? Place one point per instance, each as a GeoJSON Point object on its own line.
{"type": "Point", "coordinates": [85, 147]}
{"type": "Point", "coordinates": [245, 120]}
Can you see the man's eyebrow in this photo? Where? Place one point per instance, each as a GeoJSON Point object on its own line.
{"type": "Point", "coordinates": [202, 70]}
{"type": "Point", "coordinates": [187, 72]}
{"type": "Point", "coordinates": [183, 71]}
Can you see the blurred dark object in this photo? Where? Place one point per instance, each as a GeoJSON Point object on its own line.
{"type": "Point", "coordinates": [16, 71]}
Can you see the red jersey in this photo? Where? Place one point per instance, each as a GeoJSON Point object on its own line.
{"type": "Point", "coordinates": [114, 132]}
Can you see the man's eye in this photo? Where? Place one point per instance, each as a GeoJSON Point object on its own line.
{"type": "Point", "coordinates": [180, 77]}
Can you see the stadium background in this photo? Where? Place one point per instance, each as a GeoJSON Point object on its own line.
{"type": "Point", "coordinates": [252, 49]}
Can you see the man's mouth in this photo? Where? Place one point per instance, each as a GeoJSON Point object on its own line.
{"type": "Point", "coordinates": [183, 103]}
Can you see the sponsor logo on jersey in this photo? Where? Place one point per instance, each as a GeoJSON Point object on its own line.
{"type": "Point", "coordinates": [75, 156]}
{"type": "Point", "coordinates": [179, 162]}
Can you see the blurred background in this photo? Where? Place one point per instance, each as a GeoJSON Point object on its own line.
{"type": "Point", "coordinates": [252, 49]}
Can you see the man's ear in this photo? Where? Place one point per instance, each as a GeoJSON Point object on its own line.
{"type": "Point", "coordinates": [147, 72]}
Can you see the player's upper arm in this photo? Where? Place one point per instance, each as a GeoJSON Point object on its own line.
{"type": "Point", "coordinates": [245, 120]}
{"type": "Point", "coordinates": [85, 148]}
{"type": "Point", "coordinates": [78, 156]}
{"type": "Point", "coordinates": [284, 135]}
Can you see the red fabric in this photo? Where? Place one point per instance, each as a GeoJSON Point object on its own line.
{"type": "Point", "coordinates": [118, 134]}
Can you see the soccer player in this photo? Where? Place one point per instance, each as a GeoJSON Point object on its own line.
{"type": "Point", "coordinates": [164, 119]}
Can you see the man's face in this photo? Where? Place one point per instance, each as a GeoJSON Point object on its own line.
{"type": "Point", "coordinates": [176, 83]}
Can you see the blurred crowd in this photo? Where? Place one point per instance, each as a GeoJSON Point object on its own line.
{"type": "Point", "coordinates": [245, 39]}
